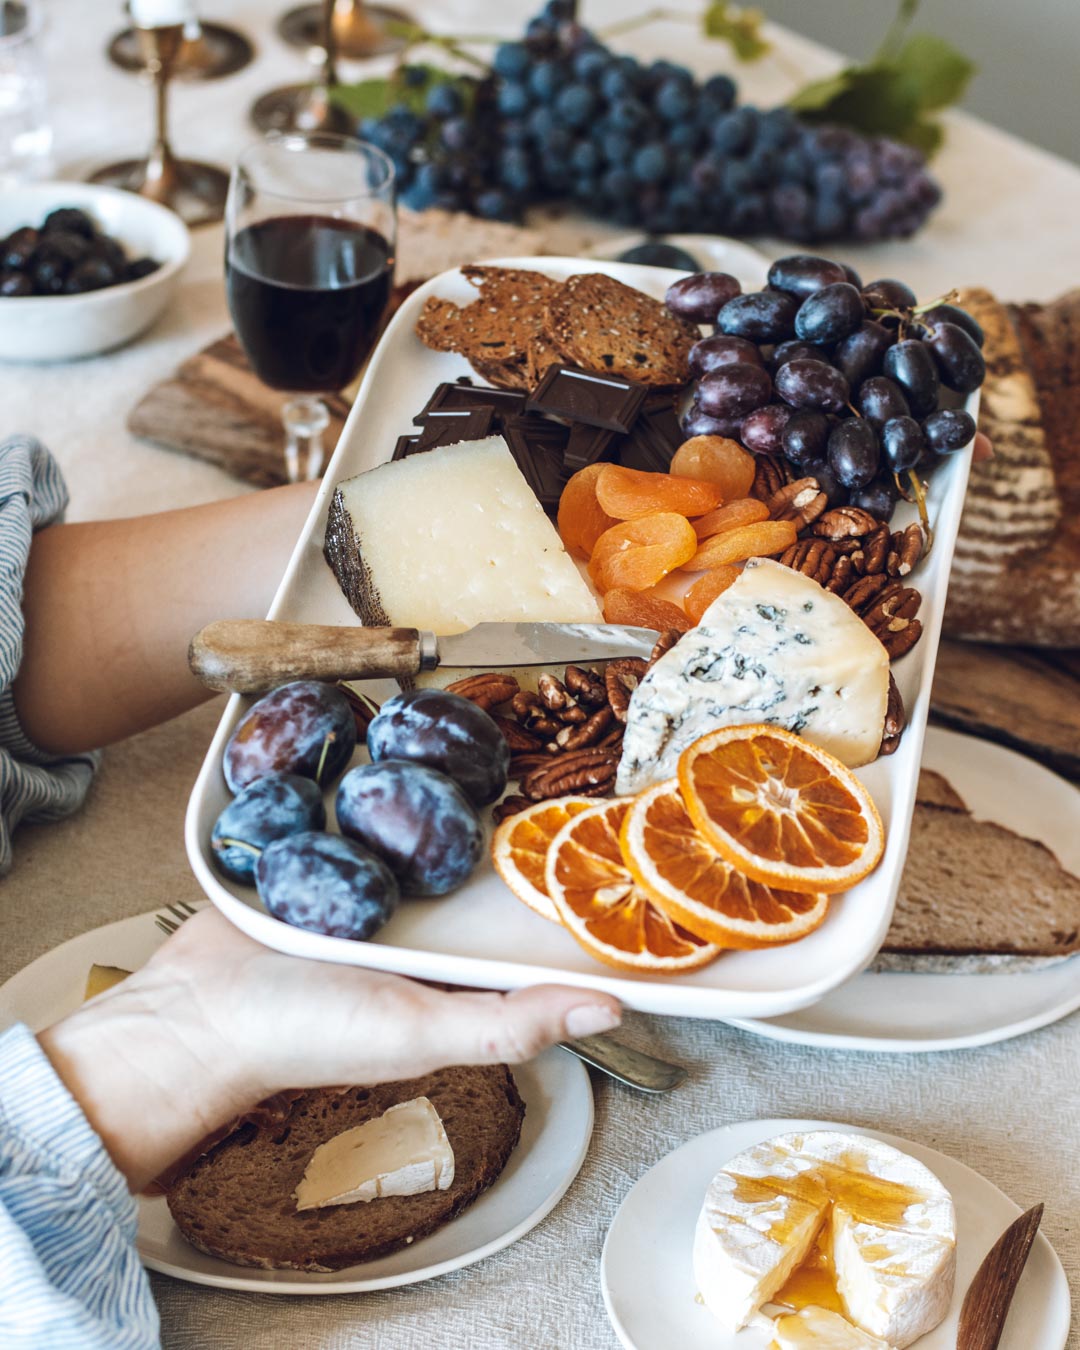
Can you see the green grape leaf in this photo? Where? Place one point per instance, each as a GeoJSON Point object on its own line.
{"type": "Point", "coordinates": [741, 28]}
{"type": "Point", "coordinates": [938, 73]}
{"type": "Point", "coordinates": [375, 97]}
{"type": "Point", "coordinates": [367, 98]}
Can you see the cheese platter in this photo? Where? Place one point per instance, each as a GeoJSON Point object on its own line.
{"type": "Point", "coordinates": [481, 935]}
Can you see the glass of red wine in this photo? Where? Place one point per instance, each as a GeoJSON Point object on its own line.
{"type": "Point", "coordinates": [310, 232]}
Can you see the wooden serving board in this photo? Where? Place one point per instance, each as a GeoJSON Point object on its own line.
{"type": "Point", "coordinates": [215, 408]}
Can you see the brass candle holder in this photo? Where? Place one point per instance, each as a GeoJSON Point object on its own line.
{"type": "Point", "coordinates": [359, 29]}
{"type": "Point", "coordinates": [195, 191]}
{"type": "Point", "coordinates": [210, 51]}
{"type": "Point", "coordinates": [306, 107]}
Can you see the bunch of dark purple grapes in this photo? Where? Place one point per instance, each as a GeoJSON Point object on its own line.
{"type": "Point", "coordinates": [408, 820]}
{"type": "Point", "coordinates": [855, 385]}
{"type": "Point", "coordinates": [564, 117]}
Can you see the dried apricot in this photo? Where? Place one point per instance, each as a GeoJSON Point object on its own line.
{"type": "Point", "coordinates": [716, 459]}
{"type": "Point", "coordinates": [743, 511]}
{"type": "Point", "coordinates": [705, 590]}
{"type": "Point", "coordinates": [629, 494]}
{"type": "Point", "coordinates": [748, 541]}
{"type": "Point", "coordinates": [636, 554]}
{"type": "Point", "coordinates": [641, 610]}
{"type": "Point", "coordinates": [581, 519]}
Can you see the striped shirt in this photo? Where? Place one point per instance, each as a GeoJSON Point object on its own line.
{"type": "Point", "coordinates": [33, 786]}
{"type": "Point", "coordinates": [70, 1277]}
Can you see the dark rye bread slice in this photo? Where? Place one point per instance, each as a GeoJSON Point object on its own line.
{"type": "Point", "coordinates": [600, 324]}
{"type": "Point", "coordinates": [493, 332]}
{"type": "Point", "coordinates": [972, 889]}
{"type": "Point", "coordinates": [236, 1202]}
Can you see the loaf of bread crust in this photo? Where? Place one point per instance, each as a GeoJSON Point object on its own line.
{"type": "Point", "coordinates": [1016, 572]}
{"type": "Point", "coordinates": [237, 1200]}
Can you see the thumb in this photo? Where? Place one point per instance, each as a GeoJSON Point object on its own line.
{"type": "Point", "coordinates": [509, 1028]}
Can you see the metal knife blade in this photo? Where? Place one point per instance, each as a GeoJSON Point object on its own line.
{"type": "Point", "coordinates": [986, 1303]}
{"type": "Point", "coordinates": [542, 644]}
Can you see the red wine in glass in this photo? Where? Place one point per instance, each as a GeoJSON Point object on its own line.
{"type": "Point", "coordinates": [307, 294]}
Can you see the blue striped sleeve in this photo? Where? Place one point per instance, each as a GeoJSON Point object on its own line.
{"type": "Point", "coordinates": [70, 1278]}
{"type": "Point", "coordinates": [33, 786]}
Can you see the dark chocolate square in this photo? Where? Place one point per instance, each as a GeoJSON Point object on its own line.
{"type": "Point", "coordinates": [452, 426]}
{"type": "Point", "coordinates": [451, 397]}
{"type": "Point", "coordinates": [581, 396]}
{"type": "Point", "coordinates": [589, 445]}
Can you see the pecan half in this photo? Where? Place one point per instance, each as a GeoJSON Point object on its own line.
{"type": "Point", "coordinates": [622, 678]}
{"type": "Point", "coordinates": [523, 764]}
{"type": "Point", "coordinates": [876, 550]}
{"type": "Point", "coordinates": [529, 710]}
{"type": "Point", "coordinates": [552, 692]}
{"type": "Point", "coordinates": [905, 550]}
{"type": "Point", "coordinates": [486, 691]}
{"type": "Point", "coordinates": [770, 475]}
{"type": "Point", "coordinates": [663, 645]}
{"type": "Point", "coordinates": [814, 558]}
{"type": "Point", "coordinates": [844, 522]}
{"type": "Point", "coordinates": [588, 732]}
{"type": "Point", "coordinates": [892, 609]}
{"type": "Point", "coordinates": [843, 574]}
{"type": "Point", "coordinates": [801, 502]}
{"type": "Point", "coordinates": [587, 772]}
{"type": "Point", "coordinates": [900, 636]}
{"type": "Point", "coordinates": [587, 686]}
{"type": "Point", "coordinates": [518, 738]}
{"type": "Point", "coordinates": [895, 718]}
{"type": "Point", "coordinates": [864, 592]}
{"type": "Point", "coordinates": [509, 806]}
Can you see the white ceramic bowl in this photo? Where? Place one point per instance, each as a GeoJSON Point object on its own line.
{"type": "Point", "coordinates": [64, 327]}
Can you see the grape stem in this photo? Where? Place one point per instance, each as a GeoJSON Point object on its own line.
{"type": "Point", "coordinates": [949, 298]}
{"type": "Point", "coordinates": [239, 843]}
{"type": "Point", "coordinates": [919, 490]}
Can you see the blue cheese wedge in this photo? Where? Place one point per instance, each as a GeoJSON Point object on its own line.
{"type": "Point", "coordinates": [774, 647]}
{"type": "Point", "coordinates": [404, 1151]}
{"type": "Point", "coordinates": [449, 539]}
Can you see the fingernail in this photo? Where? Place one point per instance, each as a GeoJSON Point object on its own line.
{"type": "Point", "coordinates": [592, 1018]}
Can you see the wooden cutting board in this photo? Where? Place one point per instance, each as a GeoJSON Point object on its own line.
{"type": "Point", "coordinates": [216, 409]}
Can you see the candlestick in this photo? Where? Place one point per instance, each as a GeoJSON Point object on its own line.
{"type": "Point", "coordinates": [210, 51]}
{"type": "Point", "coordinates": [195, 191]}
{"type": "Point", "coordinates": [359, 29]}
{"type": "Point", "coordinates": [306, 107]}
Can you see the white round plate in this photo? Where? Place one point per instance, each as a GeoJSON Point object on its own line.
{"type": "Point", "coordinates": [554, 1139]}
{"type": "Point", "coordinates": [647, 1273]}
{"type": "Point", "coordinates": [907, 1013]}
{"type": "Point", "coordinates": [715, 253]}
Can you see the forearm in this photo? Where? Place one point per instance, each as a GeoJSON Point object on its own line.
{"type": "Point", "coordinates": [110, 608]}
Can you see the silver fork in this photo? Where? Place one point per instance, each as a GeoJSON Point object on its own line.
{"type": "Point", "coordinates": [632, 1067]}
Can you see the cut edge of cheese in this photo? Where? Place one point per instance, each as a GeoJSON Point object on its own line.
{"type": "Point", "coordinates": [819, 1329]}
{"type": "Point", "coordinates": [404, 1151]}
{"type": "Point", "coordinates": [775, 647]}
{"type": "Point", "coordinates": [451, 538]}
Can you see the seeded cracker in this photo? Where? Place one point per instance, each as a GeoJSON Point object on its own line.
{"type": "Point", "coordinates": [600, 324]}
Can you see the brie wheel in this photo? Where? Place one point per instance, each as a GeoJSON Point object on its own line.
{"type": "Point", "coordinates": [837, 1222]}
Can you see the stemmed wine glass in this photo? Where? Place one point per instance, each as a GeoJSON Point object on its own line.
{"type": "Point", "coordinates": [310, 233]}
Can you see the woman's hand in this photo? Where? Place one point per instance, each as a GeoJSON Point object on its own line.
{"type": "Point", "coordinates": [214, 1022]}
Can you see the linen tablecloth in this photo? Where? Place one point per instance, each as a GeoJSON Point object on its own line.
{"type": "Point", "coordinates": [1008, 222]}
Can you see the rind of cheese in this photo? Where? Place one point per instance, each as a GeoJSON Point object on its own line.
{"type": "Point", "coordinates": [404, 1151]}
{"type": "Point", "coordinates": [775, 647]}
{"type": "Point", "coordinates": [819, 1329]}
{"type": "Point", "coordinates": [451, 538]}
{"type": "Point", "coordinates": [888, 1222]}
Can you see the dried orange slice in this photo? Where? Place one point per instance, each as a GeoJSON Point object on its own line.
{"type": "Point", "coordinates": [604, 908]}
{"type": "Point", "coordinates": [780, 810]}
{"type": "Point", "coordinates": [698, 888]}
{"type": "Point", "coordinates": [520, 845]}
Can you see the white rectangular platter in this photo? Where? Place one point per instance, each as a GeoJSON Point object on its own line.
{"type": "Point", "coordinates": [481, 935]}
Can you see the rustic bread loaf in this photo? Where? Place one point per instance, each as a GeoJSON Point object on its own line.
{"type": "Point", "coordinates": [237, 1200]}
{"type": "Point", "coordinates": [974, 896]}
{"type": "Point", "coordinates": [1016, 572]}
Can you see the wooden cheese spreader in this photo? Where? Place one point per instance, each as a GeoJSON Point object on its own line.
{"type": "Point", "coordinates": [253, 656]}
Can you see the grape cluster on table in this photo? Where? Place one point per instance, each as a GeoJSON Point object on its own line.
{"type": "Point", "coordinates": [563, 117]}
{"type": "Point", "coordinates": [849, 382]}
{"type": "Point", "coordinates": [409, 821]}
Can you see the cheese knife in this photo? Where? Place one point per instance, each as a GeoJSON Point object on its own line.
{"type": "Point", "coordinates": [986, 1303]}
{"type": "Point", "coordinates": [252, 656]}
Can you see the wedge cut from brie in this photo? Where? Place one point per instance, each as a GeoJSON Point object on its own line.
{"type": "Point", "coordinates": [451, 538]}
{"type": "Point", "coordinates": [404, 1151]}
{"type": "Point", "coordinates": [819, 1329]}
{"type": "Point", "coordinates": [839, 1222]}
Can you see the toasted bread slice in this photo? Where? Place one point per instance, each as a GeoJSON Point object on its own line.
{"type": "Point", "coordinates": [935, 790]}
{"type": "Point", "coordinates": [600, 324]}
{"type": "Point", "coordinates": [237, 1200]}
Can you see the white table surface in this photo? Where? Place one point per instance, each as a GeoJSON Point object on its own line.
{"type": "Point", "coordinates": [1008, 222]}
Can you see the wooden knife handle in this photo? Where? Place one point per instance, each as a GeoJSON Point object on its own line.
{"type": "Point", "coordinates": [252, 656]}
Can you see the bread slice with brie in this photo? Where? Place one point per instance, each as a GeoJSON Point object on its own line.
{"type": "Point", "coordinates": [886, 1223]}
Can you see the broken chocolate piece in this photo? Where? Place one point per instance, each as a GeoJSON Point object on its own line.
{"type": "Point", "coordinates": [405, 445]}
{"type": "Point", "coordinates": [653, 441]}
{"type": "Point", "coordinates": [589, 445]}
{"type": "Point", "coordinates": [454, 397]}
{"type": "Point", "coordinates": [606, 401]}
{"type": "Point", "coordinates": [452, 426]}
{"type": "Point", "coordinates": [538, 448]}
